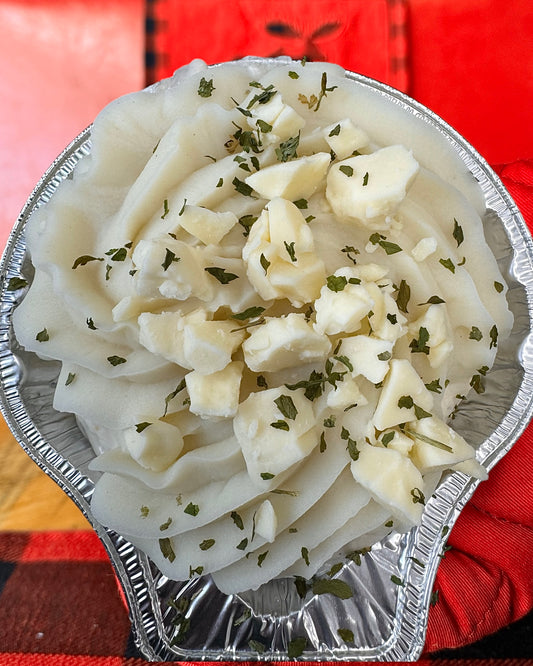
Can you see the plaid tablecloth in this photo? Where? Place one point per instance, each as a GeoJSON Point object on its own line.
{"type": "Point", "coordinates": [60, 605]}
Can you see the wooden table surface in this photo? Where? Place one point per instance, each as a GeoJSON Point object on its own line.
{"type": "Point", "coordinates": [29, 499]}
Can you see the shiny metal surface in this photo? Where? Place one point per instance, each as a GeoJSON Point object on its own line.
{"type": "Point", "coordinates": [193, 620]}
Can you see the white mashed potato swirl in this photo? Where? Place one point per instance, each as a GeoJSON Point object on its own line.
{"type": "Point", "coordinates": [269, 290]}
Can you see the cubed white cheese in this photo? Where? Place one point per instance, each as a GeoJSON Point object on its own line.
{"type": "Point", "coordinates": [341, 311]}
{"type": "Point", "coordinates": [170, 268]}
{"type": "Point", "coordinates": [215, 395]}
{"type": "Point", "coordinates": [271, 449]}
{"type": "Point", "coordinates": [424, 248]}
{"type": "Point", "coordinates": [284, 342]}
{"type": "Point", "coordinates": [440, 342]}
{"type": "Point", "coordinates": [266, 521]}
{"type": "Point", "coordinates": [397, 440]}
{"type": "Point", "coordinates": [163, 333]}
{"type": "Point", "coordinates": [209, 345]}
{"type": "Point", "coordinates": [402, 381]}
{"type": "Point", "coordinates": [365, 187]}
{"type": "Point", "coordinates": [155, 445]}
{"type": "Point", "coordinates": [442, 447]}
{"type": "Point", "coordinates": [206, 225]}
{"type": "Point", "coordinates": [292, 180]}
{"type": "Point", "coordinates": [345, 394]}
{"type": "Point", "coordinates": [392, 480]}
{"type": "Point", "coordinates": [369, 356]}
{"type": "Point", "coordinates": [344, 138]}
{"type": "Point", "coordinates": [280, 257]}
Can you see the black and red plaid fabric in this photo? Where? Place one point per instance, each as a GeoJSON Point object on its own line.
{"type": "Point", "coordinates": [60, 605]}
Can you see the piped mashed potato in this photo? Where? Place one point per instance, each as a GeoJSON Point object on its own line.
{"type": "Point", "coordinates": [269, 290]}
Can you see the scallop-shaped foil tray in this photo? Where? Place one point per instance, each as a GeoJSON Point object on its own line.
{"type": "Point", "coordinates": [193, 620]}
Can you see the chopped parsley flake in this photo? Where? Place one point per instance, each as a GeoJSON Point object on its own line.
{"type": "Point", "coordinates": [498, 286]}
{"type": "Point", "coordinates": [220, 274]}
{"type": "Point", "coordinates": [265, 263]}
{"type": "Point", "coordinates": [335, 131]}
{"type": "Point", "coordinates": [166, 209]}
{"type": "Point", "coordinates": [205, 89]}
{"type": "Point", "coordinates": [70, 378]}
{"type": "Point", "coordinates": [365, 179]}
{"type": "Point", "coordinates": [280, 425]}
{"type": "Point", "coordinates": [144, 511]}
{"type": "Point", "coordinates": [237, 520]}
{"type": "Point", "coordinates": [302, 204]}
{"type": "Point", "coordinates": [192, 509]}
{"type": "Point", "coordinates": [434, 386]}
{"type": "Point", "coordinates": [170, 257]}
{"type": "Point", "coordinates": [241, 187]}
{"type": "Point", "coordinates": [287, 149]}
{"type": "Point", "coordinates": [142, 426]}
{"type": "Point", "coordinates": [333, 586]}
{"type": "Point", "coordinates": [164, 526]}
{"type": "Point", "coordinates": [420, 345]}
{"type": "Point", "coordinates": [477, 384]}
{"type": "Point", "coordinates": [403, 296]}
{"type": "Point", "coordinates": [16, 283]}
{"type": "Point", "coordinates": [458, 232]}
{"type": "Point", "coordinates": [261, 558]}
{"type": "Point", "coordinates": [347, 170]}
{"type": "Point", "coordinates": [397, 581]}
{"type": "Point", "coordinates": [418, 496]}
{"type": "Point", "coordinates": [85, 259]}
{"type": "Point", "coordinates": [350, 250]}
{"type": "Point", "coordinates": [346, 635]}
{"type": "Point", "coordinates": [90, 323]}
{"type": "Point", "coordinates": [493, 333]}
{"type": "Point", "coordinates": [249, 313]}
{"type": "Point", "coordinates": [166, 549]}
{"type": "Point", "coordinates": [387, 438]}
{"type": "Point", "coordinates": [475, 334]}
{"type": "Point", "coordinates": [207, 544]}
{"type": "Point", "coordinates": [433, 300]}
{"type": "Point", "coordinates": [42, 336]}
{"type": "Point", "coordinates": [286, 406]}
{"type": "Point", "coordinates": [266, 476]}
{"type": "Point", "coordinates": [290, 250]}
{"type": "Point", "coordinates": [305, 555]}
{"type": "Point", "coordinates": [448, 263]}
{"type": "Point", "coordinates": [116, 360]}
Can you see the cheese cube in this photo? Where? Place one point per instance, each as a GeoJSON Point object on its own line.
{"type": "Point", "coordinates": [292, 180]}
{"type": "Point", "coordinates": [266, 521]}
{"type": "Point", "coordinates": [170, 268]}
{"type": "Point", "coordinates": [436, 322]}
{"type": "Point", "coordinates": [346, 394]}
{"type": "Point", "coordinates": [271, 441]}
{"type": "Point", "coordinates": [399, 442]}
{"type": "Point", "coordinates": [429, 456]}
{"type": "Point", "coordinates": [392, 480]}
{"type": "Point", "coordinates": [206, 225]}
{"type": "Point", "coordinates": [401, 382]}
{"type": "Point", "coordinates": [342, 311]}
{"type": "Point", "coordinates": [163, 333]}
{"type": "Point", "coordinates": [424, 248]}
{"type": "Point", "coordinates": [208, 345]}
{"type": "Point", "coordinates": [284, 342]}
{"type": "Point", "coordinates": [345, 137]}
{"type": "Point", "coordinates": [369, 356]}
{"type": "Point", "coordinates": [154, 446]}
{"type": "Point", "coordinates": [215, 395]}
{"type": "Point", "coordinates": [377, 184]}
